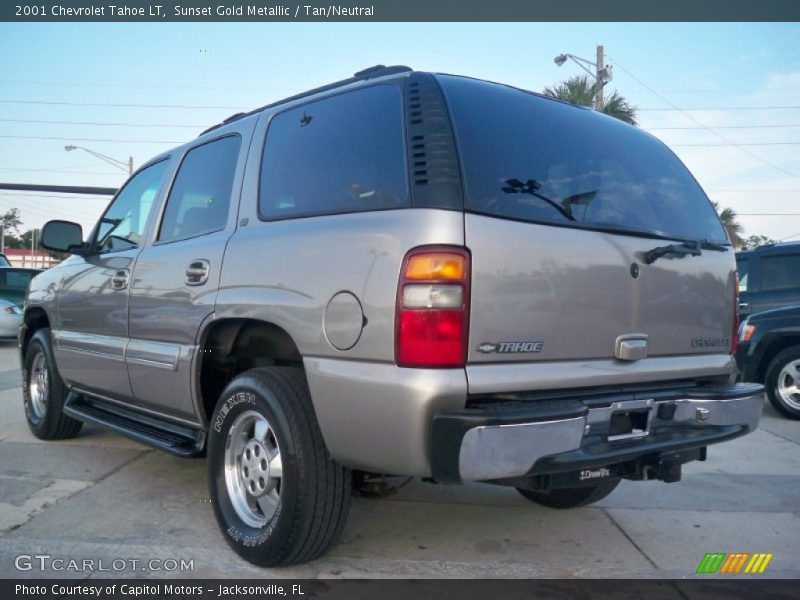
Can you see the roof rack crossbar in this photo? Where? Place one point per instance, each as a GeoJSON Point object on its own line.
{"type": "Point", "coordinates": [363, 75]}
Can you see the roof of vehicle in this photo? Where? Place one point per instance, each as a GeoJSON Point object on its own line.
{"type": "Point", "coordinates": [769, 249]}
{"type": "Point", "coordinates": [378, 71]}
{"type": "Point", "coordinates": [364, 75]}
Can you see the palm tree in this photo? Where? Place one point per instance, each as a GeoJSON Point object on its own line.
{"type": "Point", "coordinates": [729, 219]}
{"type": "Point", "coordinates": [578, 90]}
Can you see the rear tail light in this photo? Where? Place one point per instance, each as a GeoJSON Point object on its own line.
{"type": "Point", "coordinates": [735, 332]}
{"type": "Point", "coordinates": [433, 308]}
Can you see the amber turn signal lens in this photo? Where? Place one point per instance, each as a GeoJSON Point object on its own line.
{"type": "Point", "coordinates": [748, 332]}
{"type": "Point", "coordinates": [436, 265]}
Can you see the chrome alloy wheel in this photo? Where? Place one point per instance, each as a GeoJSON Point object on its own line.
{"type": "Point", "coordinates": [39, 385]}
{"type": "Point", "coordinates": [789, 384]}
{"type": "Point", "coordinates": [253, 468]}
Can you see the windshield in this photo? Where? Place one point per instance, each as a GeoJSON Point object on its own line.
{"type": "Point", "coordinates": [530, 158]}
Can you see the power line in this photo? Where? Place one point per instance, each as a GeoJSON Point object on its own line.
{"type": "Point", "coordinates": [59, 171]}
{"type": "Point", "coordinates": [796, 191]}
{"type": "Point", "coordinates": [716, 127]}
{"type": "Point", "coordinates": [737, 144]}
{"type": "Point", "coordinates": [193, 107]}
{"type": "Point", "coordinates": [144, 85]}
{"type": "Point", "coordinates": [789, 237]}
{"type": "Point", "coordinates": [59, 196]}
{"type": "Point", "coordinates": [101, 123]}
{"type": "Point", "coordinates": [704, 126]}
{"type": "Point", "coordinates": [653, 108]}
{"type": "Point", "coordinates": [74, 139]}
{"type": "Point", "coordinates": [768, 214]}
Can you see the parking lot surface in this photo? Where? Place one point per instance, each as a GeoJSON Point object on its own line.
{"type": "Point", "coordinates": [104, 497]}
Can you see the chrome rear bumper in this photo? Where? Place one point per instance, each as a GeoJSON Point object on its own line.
{"type": "Point", "coordinates": [568, 435]}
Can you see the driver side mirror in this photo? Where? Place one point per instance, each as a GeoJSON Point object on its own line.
{"type": "Point", "coordinates": [63, 236]}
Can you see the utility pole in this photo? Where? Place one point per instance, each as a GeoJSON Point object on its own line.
{"type": "Point", "coordinates": [599, 66]}
{"type": "Point", "coordinates": [130, 165]}
{"type": "Point", "coordinates": [601, 74]}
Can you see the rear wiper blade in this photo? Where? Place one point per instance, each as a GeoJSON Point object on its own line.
{"type": "Point", "coordinates": [515, 186]}
{"type": "Point", "coordinates": [687, 248]}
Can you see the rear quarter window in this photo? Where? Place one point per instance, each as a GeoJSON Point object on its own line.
{"type": "Point", "coordinates": [340, 154]}
{"type": "Point", "coordinates": [531, 158]}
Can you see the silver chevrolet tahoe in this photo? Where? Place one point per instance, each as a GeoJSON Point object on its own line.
{"type": "Point", "coordinates": [401, 273]}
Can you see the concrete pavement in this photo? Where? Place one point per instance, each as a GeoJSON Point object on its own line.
{"type": "Point", "coordinates": [103, 497]}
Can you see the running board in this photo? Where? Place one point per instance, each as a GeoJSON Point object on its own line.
{"type": "Point", "coordinates": [172, 438]}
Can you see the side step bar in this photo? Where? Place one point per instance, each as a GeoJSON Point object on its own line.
{"type": "Point", "coordinates": [175, 439]}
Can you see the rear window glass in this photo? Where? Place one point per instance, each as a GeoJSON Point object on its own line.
{"type": "Point", "coordinates": [340, 154]}
{"type": "Point", "coordinates": [531, 158]}
{"type": "Point", "coordinates": [16, 280]}
{"type": "Point", "coordinates": [779, 272]}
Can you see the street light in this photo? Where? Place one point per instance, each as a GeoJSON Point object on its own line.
{"type": "Point", "coordinates": [602, 74]}
{"type": "Point", "coordinates": [125, 166]}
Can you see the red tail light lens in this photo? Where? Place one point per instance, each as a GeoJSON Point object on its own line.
{"type": "Point", "coordinates": [433, 308]}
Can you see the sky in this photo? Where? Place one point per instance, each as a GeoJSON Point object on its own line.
{"type": "Point", "coordinates": [724, 97]}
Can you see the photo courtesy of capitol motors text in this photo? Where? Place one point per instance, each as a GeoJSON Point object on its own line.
{"type": "Point", "coordinates": [211, 11]}
{"type": "Point", "coordinates": [150, 590]}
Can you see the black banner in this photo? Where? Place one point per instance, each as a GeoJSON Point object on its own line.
{"type": "Point", "coordinates": [400, 10]}
{"type": "Point", "coordinates": [512, 589]}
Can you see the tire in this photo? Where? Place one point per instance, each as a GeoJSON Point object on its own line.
{"type": "Point", "coordinates": [571, 497]}
{"type": "Point", "coordinates": [284, 519]}
{"type": "Point", "coordinates": [43, 392]}
{"type": "Point", "coordinates": [783, 382]}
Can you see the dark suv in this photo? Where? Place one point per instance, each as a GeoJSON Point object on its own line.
{"type": "Point", "coordinates": [769, 277]}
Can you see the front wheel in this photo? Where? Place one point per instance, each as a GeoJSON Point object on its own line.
{"type": "Point", "coordinates": [278, 496]}
{"type": "Point", "coordinates": [783, 382]}
{"type": "Point", "coordinates": [43, 392]}
{"type": "Point", "coordinates": [571, 497]}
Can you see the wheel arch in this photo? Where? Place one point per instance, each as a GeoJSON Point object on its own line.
{"type": "Point", "coordinates": [230, 346]}
{"type": "Point", "coordinates": [775, 346]}
{"type": "Point", "coordinates": [35, 318]}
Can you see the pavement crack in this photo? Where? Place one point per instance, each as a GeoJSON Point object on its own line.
{"type": "Point", "coordinates": [783, 437]}
{"type": "Point", "coordinates": [629, 538]}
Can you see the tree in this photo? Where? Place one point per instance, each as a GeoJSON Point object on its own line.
{"type": "Point", "coordinates": [578, 90]}
{"type": "Point", "coordinates": [9, 222]}
{"type": "Point", "coordinates": [729, 219]}
{"type": "Point", "coordinates": [754, 241]}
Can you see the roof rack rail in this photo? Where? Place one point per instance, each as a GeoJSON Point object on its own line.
{"type": "Point", "coordinates": [363, 75]}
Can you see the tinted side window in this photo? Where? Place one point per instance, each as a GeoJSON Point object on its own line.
{"type": "Point", "coordinates": [340, 154]}
{"type": "Point", "coordinates": [199, 200]}
{"type": "Point", "coordinates": [122, 226]}
{"type": "Point", "coordinates": [741, 266]}
{"type": "Point", "coordinates": [779, 272]}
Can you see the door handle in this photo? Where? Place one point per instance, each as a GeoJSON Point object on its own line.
{"type": "Point", "coordinates": [743, 306]}
{"type": "Point", "coordinates": [197, 272]}
{"type": "Point", "coordinates": [120, 279]}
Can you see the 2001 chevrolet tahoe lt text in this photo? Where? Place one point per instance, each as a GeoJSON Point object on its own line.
{"type": "Point", "coordinates": [400, 273]}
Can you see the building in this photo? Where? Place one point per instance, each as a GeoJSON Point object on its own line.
{"type": "Point", "coordinates": [25, 257]}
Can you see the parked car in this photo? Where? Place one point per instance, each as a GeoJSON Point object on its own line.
{"type": "Point", "coordinates": [13, 285]}
{"type": "Point", "coordinates": [310, 289]}
{"type": "Point", "coordinates": [769, 277]}
{"type": "Point", "coordinates": [4, 260]}
{"type": "Point", "coordinates": [10, 320]}
{"type": "Point", "coordinates": [769, 353]}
